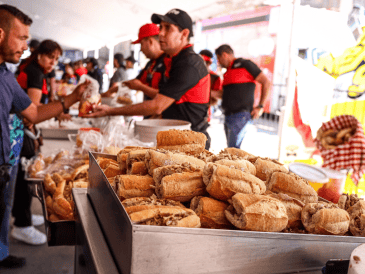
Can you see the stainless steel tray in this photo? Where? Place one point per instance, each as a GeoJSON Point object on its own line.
{"type": "Point", "coordinates": [153, 249]}
{"type": "Point", "coordinates": [58, 233]}
{"type": "Point", "coordinates": [57, 133]}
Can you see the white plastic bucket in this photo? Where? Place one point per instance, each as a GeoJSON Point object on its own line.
{"type": "Point", "coordinates": [146, 130]}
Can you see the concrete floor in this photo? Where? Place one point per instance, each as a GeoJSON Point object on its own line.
{"type": "Point", "coordinates": [261, 139]}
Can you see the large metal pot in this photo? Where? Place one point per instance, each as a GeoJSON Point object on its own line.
{"type": "Point", "coordinates": [146, 130]}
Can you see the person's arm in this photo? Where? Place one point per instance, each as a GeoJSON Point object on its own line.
{"type": "Point", "coordinates": [265, 89]}
{"type": "Point", "coordinates": [110, 91]}
{"type": "Point", "coordinates": [52, 84]}
{"type": "Point", "coordinates": [137, 84]}
{"type": "Point", "coordinates": [217, 93]}
{"type": "Point", "coordinates": [36, 114]}
{"type": "Point", "coordinates": [147, 108]}
{"type": "Point", "coordinates": [35, 95]}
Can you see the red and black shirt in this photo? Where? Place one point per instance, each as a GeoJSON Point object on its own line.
{"type": "Point", "coordinates": [152, 73]}
{"type": "Point", "coordinates": [188, 82]}
{"type": "Point", "coordinates": [216, 82]}
{"type": "Point", "coordinates": [239, 86]}
{"type": "Point", "coordinates": [32, 76]}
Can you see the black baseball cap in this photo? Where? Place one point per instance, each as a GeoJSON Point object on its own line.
{"type": "Point", "coordinates": [177, 17]}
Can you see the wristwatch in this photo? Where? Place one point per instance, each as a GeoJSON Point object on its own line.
{"type": "Point", "coordinates": [260, 106]}
{"type": "Point", "coordinates": [65, 110]}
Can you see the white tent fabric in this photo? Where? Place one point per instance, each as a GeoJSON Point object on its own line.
{"type": "Point", "coordinates": [91, 24]}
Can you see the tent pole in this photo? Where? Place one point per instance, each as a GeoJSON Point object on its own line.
{"type": "Point", "coordinates": [290, 83]}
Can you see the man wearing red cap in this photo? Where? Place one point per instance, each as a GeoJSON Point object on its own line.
{"type": "Point", "coordinates": [149, 77]}
{"type": "Point", "coordinates": [184, 90]}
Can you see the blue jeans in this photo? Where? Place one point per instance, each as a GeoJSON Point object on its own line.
{"type": "Point", "coordinates": [235, 127]}
{"type": "Point", "coordinates": [16, 141]}
{"type": "Point", "coordinates": [5, 222]}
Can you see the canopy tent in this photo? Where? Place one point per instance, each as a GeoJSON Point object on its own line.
{"type": "Point", "coordinates": [92, 24]}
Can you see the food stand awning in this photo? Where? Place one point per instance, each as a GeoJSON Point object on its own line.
{"type": "Point", "coordinates": [92, 24]}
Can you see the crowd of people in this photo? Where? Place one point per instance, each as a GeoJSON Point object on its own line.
{"type": "Point", "coordinates": [177, 84]}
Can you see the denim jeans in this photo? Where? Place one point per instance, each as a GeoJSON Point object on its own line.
{"type": "Point", "coordinates": [5, 222]}
{"type": "Point", "coordinates": [235, 127]}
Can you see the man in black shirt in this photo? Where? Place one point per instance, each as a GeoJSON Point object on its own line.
{"type": "Point", "coordinates": [185, 90]}
{"type": "Point", "coordinates": [94, 71]}
{"type": "Point", "coordinates": [239, 85]}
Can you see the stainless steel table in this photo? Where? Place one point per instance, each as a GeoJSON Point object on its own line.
{"type": "Point", "coordinates": [92, 254]}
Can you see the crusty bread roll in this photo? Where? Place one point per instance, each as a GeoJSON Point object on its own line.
{"type": "Point", "coordinates": [67, 176]}
{"type": "Point", "coordinates": [49, 184]}
{"type": "Point", "coordinates": [113, 182]}
{"type": "Point", "coordinates": [238, 152]}
{"type": "Point", "coordinates": [265, 167]}
{"type": "Point", "coordinates": [123, 155]}
{"type": "Point", "coordinates": [223, 182]}
{"type": "Point", "coordinates": [257, 213]}
{"type": "Point", "coordinates": [80, 172]}
{"type": "Point", "coordinates": [60, 155]}
{"type": "Point", "coordinates": [155, 159]}
{"type": "Point", "coordinates": [324, 218]}
{"type": "Point", "coordinates": [49, 205]}
{"type": "Point", "coordinates": [112, 171]}
{"type": "Point", "coordinates": [136, 162]}
{"type": "Point", "coordinates": [293, 209]}
{"type": "Point", "coordinates": [166, 216]}
{"type": "Point", "coordinates": [243, 165]}
{"type": "Point", "coordinates": [130, 186]}
{"type": "Point", "coordinates": [346, 201]}
{"type": "Point", "coordinates": [292, 185]}
{"type": "Point", "coordinates": [186, 141]}
{"type": "Point", "coordinates": [204, 155]}
{"type": "Point", "coordinates": [357, 218]}
{"type": "Point", "coordinates": [113, 150]}
{"type": "Point", "coordinates": [143, 203]}
{"type": "Point", "coordinates": [80, 183]}
{"type": "Point", "coordinates": [54, 218]}
{"type": "Point", "coordinates": [179, 182]}
{"type": "Point", "coordinates": [104, 162]}
{"type": "Point", "coordinates": [224, 156]}
{"type": "Point", "coordinates": [210, 212]}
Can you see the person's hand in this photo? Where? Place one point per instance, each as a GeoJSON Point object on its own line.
{"type": "Point", "coordinates": [99, 111]}
{"type": "Point", "coordinates": [133, 84]}
{"type": "Point", "coordinates": [77, 93]}
{"type": "Point", "coordinates": [257, 112]}
{"type": "Point", "coordinates": [27, 123]}
{"type": "Point", "coordinates": [64, 117]}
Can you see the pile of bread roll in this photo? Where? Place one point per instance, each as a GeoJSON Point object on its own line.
{"type": "Point", "coordinates": [58, 187]}
{"type": "Point", "coordinates": [332, 138]}
{"type": "Point", "coordinates": [179, 183]}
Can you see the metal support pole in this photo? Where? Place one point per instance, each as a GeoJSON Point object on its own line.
{"type": "Point", "coordinates": [290, 83]}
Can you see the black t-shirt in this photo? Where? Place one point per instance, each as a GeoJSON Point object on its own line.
{"type": "Point", "coordinates": [32, 76]}
{"type": "Point", "coordinates": [52, 74]}
{"type": "Point", "coordinates": [188, 82]}
{"type": "Point", "coordinates": [98, 76]}
{"type": "Point", "coordinates": [239, 86]}
{"type": "Point", "coordinates": [152, 73]}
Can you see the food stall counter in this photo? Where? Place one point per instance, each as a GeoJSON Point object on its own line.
{"type": "Point", "coordinates": [92, 254]}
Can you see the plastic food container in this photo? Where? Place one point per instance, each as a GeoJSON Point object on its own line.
{"type": "Point", "coordinates": [315, 175]}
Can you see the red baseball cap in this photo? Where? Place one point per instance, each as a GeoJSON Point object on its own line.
{"type": "Point", "coordinates": [147, 31]}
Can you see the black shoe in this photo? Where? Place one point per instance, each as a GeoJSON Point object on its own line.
{"type": "Point", "coordinates": [12, 262]}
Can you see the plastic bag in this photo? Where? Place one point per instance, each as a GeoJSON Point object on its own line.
{"type": "Point", "coordinates": [62, 162]}
{"type": "Point", "coordinates": [124, 95]}
{"type": "Point", "coordinates": [117, 135]}
{"type": "Point", "coordinates": [90, 97]}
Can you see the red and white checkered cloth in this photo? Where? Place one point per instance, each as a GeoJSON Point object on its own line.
{"type": "Point", "coordinates": [349, 155]}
